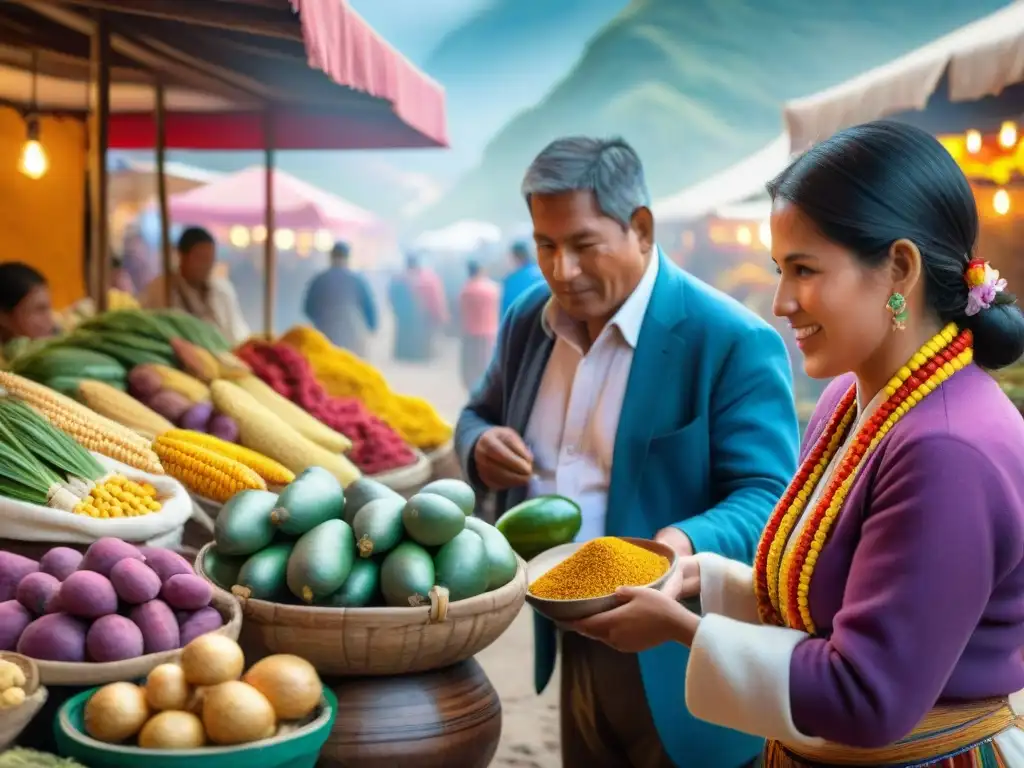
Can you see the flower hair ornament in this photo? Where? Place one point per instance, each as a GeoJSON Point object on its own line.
{"type": "Point", "coordinates": [983, 286]}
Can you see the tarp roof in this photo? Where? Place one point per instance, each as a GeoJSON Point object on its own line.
{"type": "Point", "coordinates": [240, 199]}
{"type": "Point", "coordinates": [980, 59]}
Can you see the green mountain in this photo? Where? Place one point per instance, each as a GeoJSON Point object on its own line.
{"type": "Point", "coordinates": [696, 85]}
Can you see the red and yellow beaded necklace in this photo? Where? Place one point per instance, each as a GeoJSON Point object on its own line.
{"type": "Point", "coordinates": [782, 579]}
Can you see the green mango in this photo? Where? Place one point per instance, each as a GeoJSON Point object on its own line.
{"type": "Point", "coordinates": [321, 560]}
{"type": "Point", "coordinates": [314, 497]}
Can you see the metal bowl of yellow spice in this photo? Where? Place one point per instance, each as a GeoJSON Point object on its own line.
{"type": "Point", "coordinates": [578, 580]}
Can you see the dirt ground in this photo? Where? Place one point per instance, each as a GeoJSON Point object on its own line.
{"type": "Point", "coordinates": [529, 737]}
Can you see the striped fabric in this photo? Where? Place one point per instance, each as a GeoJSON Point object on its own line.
{"type": "Point", "coordinates": [984, 734]}
{"type": "Point", "coordinates": [985, 755]}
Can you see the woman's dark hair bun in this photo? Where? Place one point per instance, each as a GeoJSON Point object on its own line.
{"type": "Point", "coordinates": [873, 184]}
{"type": "Point", "coordinates": [998, 333]}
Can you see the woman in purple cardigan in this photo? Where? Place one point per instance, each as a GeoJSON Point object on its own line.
{"type": "Point", "coordinates": [883, 621]}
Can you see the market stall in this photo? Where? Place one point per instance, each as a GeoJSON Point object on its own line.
{"type": "Point", "coordinates": [167, 413]}
{"type": "Point", "coordinates": [223, 76]}
{"type": "Point", "coordinates": [135, 411]}
{"type": "Point", "coordinates": [967, 88]}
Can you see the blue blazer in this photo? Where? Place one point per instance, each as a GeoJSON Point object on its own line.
{"type": "Point", "coordinates": [707, 441]}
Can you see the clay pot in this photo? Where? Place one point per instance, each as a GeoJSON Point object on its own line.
{"type": "Point", "coordinates": [447, 718]}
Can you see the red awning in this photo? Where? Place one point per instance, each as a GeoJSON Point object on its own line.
{"type": "Point", "coordinates": [340, 43]}
{"type": "Point", "coordinates": [323, 75]}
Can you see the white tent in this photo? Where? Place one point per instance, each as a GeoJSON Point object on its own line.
{"type": "Point", "coordinates": [740, 182]}
{"type": "Point", "coordinates": [982, 59]}
{"type": "Point", "coordinates": [461, 237]}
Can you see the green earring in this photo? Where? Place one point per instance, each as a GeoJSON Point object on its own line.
{"type": "Point", "coordinates": [897, 304]}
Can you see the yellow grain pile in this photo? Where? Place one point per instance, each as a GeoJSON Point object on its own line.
{"type": "Point", "coordinates": [598, 568]}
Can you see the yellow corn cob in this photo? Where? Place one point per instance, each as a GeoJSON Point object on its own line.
{"type": "Point", "coordinates": [263, 431]}
{"type": "Point", "coordinates": [123, 408]}
{"type": "Point", "coordinates": [272, 472]}
{"type": "Point", "coordinates": [191, 388]}
{"type": "Point", "coordinates": [205, 472]}
{"type": "Point", "coordinates": [118, 497]}
{"type": "Point", "coordinates": [303, 423]}
{"type": "Point", "coordinates": [94, 432]}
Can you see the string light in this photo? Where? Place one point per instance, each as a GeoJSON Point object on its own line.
{"type": "Point", "coordinates": [1008, 135]}
{"type": "Point", "coordinates": [1001, 202]}
{"type": "Point", "coordinates": [284, 239]}
{"type": "Point", "coordinates": [973, 140]}
{"type": "Point", "coordinates": [764, 234]}
{"type": "Point", "coordinates": [323, 240]}
{"type": "Point", "coordinates": [239, 237]}
{"type": "Point", "coordinates": [33, 161]}
{"type": "Point", "coordinates": [743, 236]}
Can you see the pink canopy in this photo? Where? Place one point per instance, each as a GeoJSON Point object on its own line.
{"type": "Point", "coordinates": [240, 199]}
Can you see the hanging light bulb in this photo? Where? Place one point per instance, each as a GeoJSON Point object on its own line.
{"type": "Point", "coordinates": [973, 139]}
{"type": "Point", "coordinates": [33, 161]}
{"type": "Point", "coordinates": [1008, 135]}
{"type": "Point", "coordinates": [1001, 202]}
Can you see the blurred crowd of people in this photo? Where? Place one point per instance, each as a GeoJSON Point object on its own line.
{"type": "Point", "coordinates": [464, 296]}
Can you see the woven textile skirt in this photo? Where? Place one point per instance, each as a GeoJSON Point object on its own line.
{"type": "Point", "coordinates": [988, 734]}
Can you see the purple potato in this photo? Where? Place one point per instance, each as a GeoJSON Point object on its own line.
{"type": "Point", "coordinates": [113, 638]}
{"type": "Point", "coordinates": [61, 562]}
{"type": "Point", "coordinates": [56, 637]}
{"type": "Point", "coordinates": [37, 590]}
{"type": "Point", "coordinates": [187, 593]}
{"type": "Point", "coordinates": [135, 582]}
{"type": "Point", "coordinates": [13, 568]}
{"type": "Point", "coordinates": [159, 627]}
{"type": "Point", "coordinates": [14, 617]}
{"type": "Point", "coordinates": [87, 595]}
{"type": "Point", "coordinates": [103, 554]}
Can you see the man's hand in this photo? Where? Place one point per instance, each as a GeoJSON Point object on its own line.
{"type": "Point", "coordinates": [676, 539]}
{"type": "Point", "coordinates": [502, 459]}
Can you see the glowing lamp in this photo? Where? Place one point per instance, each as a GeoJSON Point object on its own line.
{"type": "Point", "coordinates": [973, 141]}
{"type": "Point", "coordinates": [1008, 135]}
{"type": "Point", "coordinates": [1001, 202]}
{"type": "Point", "coordinates": [33, 161]}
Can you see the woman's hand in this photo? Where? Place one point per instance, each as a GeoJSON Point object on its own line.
{"type": "Point", "coordinates": [685, 582]}
{"type": "Point", "coordinates": [646, 618]}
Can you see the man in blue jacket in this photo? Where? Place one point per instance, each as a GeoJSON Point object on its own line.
{"type": "Point", "coordinates": [523, 277]}
{"type": "Point", "coordinates": [663, 407]}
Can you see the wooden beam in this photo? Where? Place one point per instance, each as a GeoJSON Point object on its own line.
{"type": "Point", "coordinates": [249, 85]}
{"type": "Point", "coordinates": [253, 20]}
{"type": "Point", "coordinates": [188, 75]}
{"type": "Point", "coordinates": [161, 190]}
{"type": "Point", "coordinates": [99, 120]}
{"type": "Point", "coordinates": [64, 66]}
{"type": "Point", "coordinates": [269, 250]}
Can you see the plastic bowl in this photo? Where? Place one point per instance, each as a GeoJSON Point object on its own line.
{"type": "Point", "coordinates": [573, 610]}
{"type": "Point", "coordinates": [296, 749]}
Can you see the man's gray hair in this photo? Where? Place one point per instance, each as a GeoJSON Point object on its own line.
{"type": "Point", "coordinates": [609, 168]}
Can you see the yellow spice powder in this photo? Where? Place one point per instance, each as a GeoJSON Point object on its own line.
{"type": "Point", "coordinates": [598, 568]}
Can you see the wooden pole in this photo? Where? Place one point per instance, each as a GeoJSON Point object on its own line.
{"type": "Point", "coordinates": [99, 122]}
{"type": "Point", "coordinates": [269, 251]}
{"type": "Point", "coordinates": [161, 189]}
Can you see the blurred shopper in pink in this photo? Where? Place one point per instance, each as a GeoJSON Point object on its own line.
{"type": "Point", "coordinates": [478, 311]}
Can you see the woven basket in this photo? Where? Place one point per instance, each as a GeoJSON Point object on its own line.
{"type": "Point", "coordinates": [15, 719]}
{"type": "Point", "coordinates": [83, 673]}
{"type": "Point", "coordinates": [384, 641]}
{"type": "Point", "coordinates": [405, 479]}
